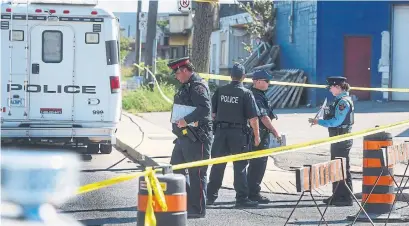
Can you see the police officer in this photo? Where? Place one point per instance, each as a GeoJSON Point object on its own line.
{"type": "Point", "coordinates": [232, 107]}
{"type": "Point", "coordinates": [339, 119]}
{"type": "Point", "coordinates": [193, 142]}
{"type": "Point", "coordinates": [257, 166]}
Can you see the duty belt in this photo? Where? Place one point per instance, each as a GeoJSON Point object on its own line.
{"type": "Point", "coordinates": [339, 130]}
{"type": "Point", "coordinates": [226, 125]}
{"type": "Point", "coordinates": [344, 126]}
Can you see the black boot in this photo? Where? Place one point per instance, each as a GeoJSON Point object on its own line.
{"type": "Point", "coordinates": [260, 199]}
{"type": "Point", "coordinates": [338, 201]}
{"type": "Point", "coordinates": [246, 203]}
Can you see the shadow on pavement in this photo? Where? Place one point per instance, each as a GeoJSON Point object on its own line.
{"type": "Point", "coordinates": [132, 208]}
{"type": "Point", "coordinates": [265, 206]}
{"type": "Point", "coordinates": [404, 134]}
{"type": "Point", "coordinates": [343, 222]}
{"type": "Point", "coordinates": [161, 157]}
{"type": "Point", "coordinates": [111, 170]}
{"type": "Point", "coordinates": [109, 220]}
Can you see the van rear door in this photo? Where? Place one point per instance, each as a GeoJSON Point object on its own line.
{"type": "Point", "coordinates": [52, 82]}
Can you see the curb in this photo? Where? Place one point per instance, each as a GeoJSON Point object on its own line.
{"type": "Point", "coordinates": [134, 155]}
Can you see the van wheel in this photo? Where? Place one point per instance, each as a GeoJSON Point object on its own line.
{"type": "Point", "coordinates": [106, 148]}
{"type": "Point", "coordinates": [92, 148]}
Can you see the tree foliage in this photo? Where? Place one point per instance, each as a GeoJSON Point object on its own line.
{"type": "Point", "coordinates": [162, 24]}
{"type": "Point", "coordinates": [124, 47]}
{"type": "Point", "coordinates": [262, 13]}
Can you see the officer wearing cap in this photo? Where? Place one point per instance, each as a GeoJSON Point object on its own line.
{"type": "Point", "coordinates": [257, 166]}
{"type": "Point", "coordinates": [339, 119]}
{"type": "Point", "coordinates": [193, 142]}
{"type": "Point", "coordinates": [233, 106]}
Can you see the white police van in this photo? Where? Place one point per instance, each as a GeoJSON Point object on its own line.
{"type": "Point", "coordinates": [60, 74]}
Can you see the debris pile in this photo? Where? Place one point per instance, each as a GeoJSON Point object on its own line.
{"type": "Point", "coordinates": [280, 96]}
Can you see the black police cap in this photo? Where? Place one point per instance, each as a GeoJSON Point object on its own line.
{"type": "Point", "coordinates": [176, 64]}
{"type": "Point", "coordinates": [335, 80]}
{"type": "Point", "coordinates": [262, 75]}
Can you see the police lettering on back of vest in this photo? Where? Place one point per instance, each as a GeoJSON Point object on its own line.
{"type": "Point", "coordinates": [229, 99]}
{"type": "Point", "coordinates": [230, 107]}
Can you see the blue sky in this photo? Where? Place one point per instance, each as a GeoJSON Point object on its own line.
{"type": "Point", "coordinates": [165, 6]}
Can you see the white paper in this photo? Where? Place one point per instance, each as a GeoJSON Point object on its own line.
{"type": "Point", "coordinates": [320, 114]}
{"type": "Point", "coordinates": [180, 111]}
{"type": "Point", "coordinates": [274, 143]}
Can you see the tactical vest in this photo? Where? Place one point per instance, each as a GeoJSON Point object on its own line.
{"type": "Point", "coordinates": [230, 104]}
{"type": "Point", "coordinates": [183, 96]}
{"type": "Point", "coordinates": [346, 125]}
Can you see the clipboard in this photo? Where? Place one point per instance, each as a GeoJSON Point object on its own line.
{"type": "Point", "coordinates": [180, 111]}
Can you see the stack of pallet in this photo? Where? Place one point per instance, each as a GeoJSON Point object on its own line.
{"type": "Point", "coordinates": [263, 58]}
{"type": "Point", "coordinates": [280, 96]}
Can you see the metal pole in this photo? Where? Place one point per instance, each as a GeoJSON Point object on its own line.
{"type": "Point", "coordinates": [138, 37]}
{"type": "Point", "coordinates": [155, 54]}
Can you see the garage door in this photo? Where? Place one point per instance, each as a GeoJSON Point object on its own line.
{"type": "Point", "coordinates": [400, 51]}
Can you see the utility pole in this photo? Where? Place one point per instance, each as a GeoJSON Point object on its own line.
{"type": "Point", "coordinates": [138, 37]}
{"type": "Point", "coordinates": [150, 39]}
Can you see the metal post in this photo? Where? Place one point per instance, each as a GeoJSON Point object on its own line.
{"type": "Point", "coordinates": [138, 37]}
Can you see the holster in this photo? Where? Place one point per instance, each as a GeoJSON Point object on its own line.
{"type": "Point", "coordinates": [263, 133]}
{"type": "Point", "coordinates": [272, 115]}
{"type": "Point", "coordinates": [190, 133]}
{"type": "Point", "coordinates": [214, 126]}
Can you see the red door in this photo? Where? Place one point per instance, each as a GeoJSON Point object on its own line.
{"type": "Point", "coordinates": [357, 66]}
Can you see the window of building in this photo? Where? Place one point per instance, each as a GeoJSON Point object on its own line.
{"type": "Point", "coordinates": [223, 53]}
{"type": "Point", "coordinates": [166, 41]}
{"type": "Point", "coordinates": [52, 46]}
{"type": "Point", "coordinates": [174, 52]}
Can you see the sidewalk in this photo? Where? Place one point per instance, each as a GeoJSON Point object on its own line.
{"type": "Point", "coordinates": [157, 147]}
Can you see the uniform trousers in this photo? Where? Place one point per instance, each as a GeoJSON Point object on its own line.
{"type": "Point", "coordinates": [257, 167]}
{"type": "Point", "coordinates": [186, 150]}
{"type": "Point", "coordinates": [341, 150]}
{"type": "Point", "coordinates": [228, 141]}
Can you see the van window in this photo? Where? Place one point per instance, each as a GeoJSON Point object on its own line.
{"type": "Point", "coordinates": [52, 46]}
{"type": "Point", "coordinates": [112, 52]}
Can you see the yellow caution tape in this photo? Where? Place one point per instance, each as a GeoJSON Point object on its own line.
{"type": "Point", "coordinates": [294, 147]}
{"type": "Point", "coordinates": [256, 154]}
{"type": "Point", "coordinates": [228, 78]}
{"type": "Point", "coordinates": [108, 182]}
{"type": "Point", "coordinates": [152, 183]}
{"type": "Point", "coordinates": [248, 155]}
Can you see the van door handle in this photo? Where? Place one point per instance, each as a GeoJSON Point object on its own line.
{"type": "Point", "coordinates": [35, 68]}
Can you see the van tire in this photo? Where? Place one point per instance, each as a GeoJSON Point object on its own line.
{"type": "Point", "coordinates": [106, 148]}
{"type": "Point", "coordinates": [92, 148]}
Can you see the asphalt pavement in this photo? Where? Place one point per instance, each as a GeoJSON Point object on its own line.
{"type": "Point", "coordinates": [114, 205]}
{"type": "Point", "coordinates": [117, 205]}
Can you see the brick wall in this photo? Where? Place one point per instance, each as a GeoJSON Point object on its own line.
{"type": "Point", "coordinates": [301, 51]}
